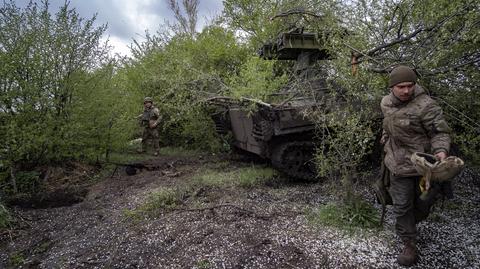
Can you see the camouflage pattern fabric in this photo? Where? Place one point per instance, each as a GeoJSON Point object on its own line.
{"type": "Point", "coordinates": [150, 115]}
{"type": "Point", "coordinates": [414, 126]}
{"type": "Point", "coordinates": [417, 125]}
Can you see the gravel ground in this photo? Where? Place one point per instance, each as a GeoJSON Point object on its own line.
{"type": "Point", "coordinates": [262, 227]}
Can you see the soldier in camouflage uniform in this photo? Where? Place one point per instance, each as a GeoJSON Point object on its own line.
{"type": "Point", "coordinates": [413, 122]}
{"type": "Point", "coordinates": [150, 120]}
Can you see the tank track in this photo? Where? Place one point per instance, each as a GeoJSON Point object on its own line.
{"type": "Point", "coordinates": [295, 159]}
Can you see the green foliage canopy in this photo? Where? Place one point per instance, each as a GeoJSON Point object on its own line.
{"type": "Point", "coordinates": [57, 97]}
{"type": "Point", "coordinates": [179, 75]}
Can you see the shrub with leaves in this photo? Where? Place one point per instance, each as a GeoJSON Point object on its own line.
{"type": "Point", "coordinates": [354, 214]}
{"type": "Point", "coordinates": [164, 198]}
{"type": "Point", "coordinates": [256, 79]}
{"type": "Point", "coordinates": [180, 75]}
{"type": "Point", "coordinates": [47, 61]}
{"type": "Point", "coordinates": [5, 217]}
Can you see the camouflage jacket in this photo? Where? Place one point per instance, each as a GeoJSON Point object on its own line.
{"type": "Point", "coordinates": [414, 126]}
{"type": "Point", "coordinates": [151, 114]}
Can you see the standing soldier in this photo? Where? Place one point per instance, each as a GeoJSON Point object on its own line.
{"type": "Point", "coordinates": [413, 122]}
{"type": "Point", "coordinates": [150, 120]}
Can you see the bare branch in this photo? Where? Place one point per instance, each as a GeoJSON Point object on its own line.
{"type": "Point", "coordinates": [400, 27]}
{"type": "Point", "coordinates": [447, 69]}
{"type": "Point", "coordinates": [188, 21]}
{"type": "Point", "coordinates": [396, 41]}
{"type": "Point", "coordinates": [298, 10]}
{"type": "Point", "coordinates": [411, 35]}
{"type": "Point", "coordinates": [391, 23]}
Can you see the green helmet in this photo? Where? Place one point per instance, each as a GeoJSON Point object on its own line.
{"type": "Point", "coordinates": [148, 99]}
{"type": "Point", "coordinates": [428, 165]}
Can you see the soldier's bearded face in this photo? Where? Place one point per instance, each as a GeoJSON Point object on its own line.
{"type": "Point", "coordinates": [404, 90]}
{"type": "Point", "coordinates": [147, 104]}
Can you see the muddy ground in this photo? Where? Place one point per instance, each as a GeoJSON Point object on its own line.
{"type": "Point", "coordinates": [227, 227]}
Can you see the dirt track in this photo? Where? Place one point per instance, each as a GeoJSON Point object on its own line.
{"type": "Point", "coordinates": [261, 227]}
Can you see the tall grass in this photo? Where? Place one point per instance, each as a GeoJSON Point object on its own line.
{"type": "Point", "coordinates": [245, 177]}
{"type": "Point", "coordinates": [354, 214]}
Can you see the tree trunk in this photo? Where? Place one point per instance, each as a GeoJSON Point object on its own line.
{"type": "Point", "coordinates": [13, 179]}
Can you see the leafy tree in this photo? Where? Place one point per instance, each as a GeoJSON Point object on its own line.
{"type": "Point", "coordinates": [187, 23]}
{"type": "Point", "coordinates": [179, 75]}
{"type": "Point", "coordinates": [365, 39]}
{"type": "Point", "coordinates": [46, 62]}
{"type": "Point", "coordinates": [438, 38]}
{"type": "Point", "coordinates": [62, 97]}
{"type": "Point", "coordinates": [256, 79]}
{"type": "Point", "coordinates": [101, 114]}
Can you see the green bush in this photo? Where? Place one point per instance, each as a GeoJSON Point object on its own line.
{"type": "Point", "coordinates": [164, 198]}
{"type": "Point", "coordinates": [179, 75]}
{"type": "Point", "coordinates": [256, 79]}
{"type": "Point", "coordinates": [356, 213]}
{"type": "Point", "coordinates": [16, 260]}
{"type": "Point", "coordinates": [5, 217]}
{"type": "Point", "coordinates": [253, 176]}
{"type": "Point", "coordinates": [63, 105]}
{"type": "Point", "coordinates": [26, 183]}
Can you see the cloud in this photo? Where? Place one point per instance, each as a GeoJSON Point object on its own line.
{"type": "Point", "coordinates": [120, 45]}
{"type": "Point", "coordinates": [208, 10]}
{"type": "Point", "coordinates": [125, 18]}
{"type": "Point", "coordinates": [128, 19]}
{"type": "Point", "coordinates": [143, 15]}
{"type": "Point", "coordinates": [210, 6]}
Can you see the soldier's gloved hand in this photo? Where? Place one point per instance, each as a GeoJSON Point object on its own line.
{"type": "Point", "coordinates": [441, 155]}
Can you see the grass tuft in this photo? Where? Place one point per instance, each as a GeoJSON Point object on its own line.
{"type": "Point", "coordinates": [171, 198]}
{"type": "Point", "coordinates": [164, 198]}
{"type": "Point", "coordinates": [204, 264]}
{"type": "Point", "coordinates": [178, 152]}
{"type": "Point", "coordinates": [246, 177]}
{"type": "Point", "coordinates": [16, 260]}
{"type": "Point", "coordinates": [161, 199]}
{"type": "Point", "coordinates": [356, 214]}
{"type": "Point", "coordinates": [5, 217]}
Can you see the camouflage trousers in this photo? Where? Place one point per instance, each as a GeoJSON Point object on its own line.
{"type": "Point", "coordinates": [408, 208]}
{"type": "Point", "coordinates": [150, 134]}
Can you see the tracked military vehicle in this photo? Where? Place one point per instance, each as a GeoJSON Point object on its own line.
{"type": "Point", "coordinates": [279, 131]}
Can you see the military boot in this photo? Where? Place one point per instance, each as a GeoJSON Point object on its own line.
{"type": "Point", "coordinates": [409, 255]}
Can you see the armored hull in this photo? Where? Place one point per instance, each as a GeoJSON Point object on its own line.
{"type": "Point", "coordinates": [279, 131]}
{"type": "Point", "coordinates": [280, 134]}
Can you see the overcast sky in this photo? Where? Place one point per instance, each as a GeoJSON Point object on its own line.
{"type": "Point", "coordinates": [128, 19]}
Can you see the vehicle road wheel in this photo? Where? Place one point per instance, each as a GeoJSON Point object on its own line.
{"type": "Point", "coordinates": [295, 159]}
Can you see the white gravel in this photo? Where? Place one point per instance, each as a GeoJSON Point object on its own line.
{"type": "Point", "coordinates": [95, 233]}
